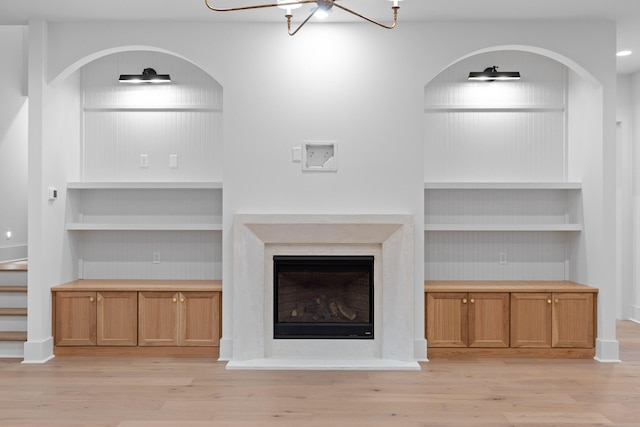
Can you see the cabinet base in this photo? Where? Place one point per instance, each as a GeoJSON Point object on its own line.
{"type": "Point", "coordinates": [138, 351]}
{"type": "Point", "coordinates": [542, 353]}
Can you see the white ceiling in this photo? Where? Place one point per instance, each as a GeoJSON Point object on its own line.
{"type": "Point", "coordinates": [626, 13]}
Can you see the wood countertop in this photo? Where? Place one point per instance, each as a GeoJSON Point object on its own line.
{"type": "Point", "coordinates": [140, 285]}
{"type": "Point", "coordinates": [505, 286]}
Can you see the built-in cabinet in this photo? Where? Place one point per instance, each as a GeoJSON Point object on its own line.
{"type": "Point", "coordinates": [506, 318]}
{"type": "Point", "coordinates": [179, 318]}
{"type": "Point", "coordinates": [97, 316]}
{"type": "Point", "coordinates": [552, 319]}
{"type": "Point", "coordinates": [144, 218]}
{"type": "Point", "coordinates": [88, 318]}
{"type": "Point", "coordinates": [503, 222]}
{"type": "Point", "coordinates": [467, 319]}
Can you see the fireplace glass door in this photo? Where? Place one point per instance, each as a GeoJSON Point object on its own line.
{"type": "Point", "coordinates": [323, 297]}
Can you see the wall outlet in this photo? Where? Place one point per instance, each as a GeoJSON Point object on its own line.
{"type": "Point", "coordinates": [144, 160]}
{"type": "Point", "coordinates": [156, 257]}
{"type": "Point", "coordinates": [503, 257]}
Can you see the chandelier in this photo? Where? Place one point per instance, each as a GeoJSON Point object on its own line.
{"type": "Point", "coordinates": [322, 6]}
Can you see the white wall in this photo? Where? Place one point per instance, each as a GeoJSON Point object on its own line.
{"type": "Point", "coordinates": [13, 143]}
{"type": "Point", "coordinates": [352, 83]}
{"type": "Point", "coordinates": [634, 292]}
{"type": "Point", "coordinates": [624, 197]}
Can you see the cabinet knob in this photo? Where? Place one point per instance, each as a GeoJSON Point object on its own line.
{"type": "Point", "coordinates": [549, 301]}
{"type": "Point", "coordinates": [464, 300]}
{"type": "Point", "coordinates": [91, 299]}
{"type": "Point", "coordinates": [181, 299]}
{"type": "Point", "coordinates": [175, 299]}
{"type": "Point", "coordinates": [99, 298]}
{"type": "Point", "coordinates": [557, 300]}
{"type": "Point", "coordinates": [472, 301]}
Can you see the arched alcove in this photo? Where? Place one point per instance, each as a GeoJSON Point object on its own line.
{"type": "Point", "coordinates": [511, 132]}
{"type": "Point", "coordinates": [121, 122]}
{"type": "Point", "coordinates": [514, 173]}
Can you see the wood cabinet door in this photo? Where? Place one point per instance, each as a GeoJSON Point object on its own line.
{"type": "Point", "coordinates": [447, 319]}
{"type": "Point", "coordinates": [158, 319]}
{"type": "Point", "coordinates": [573, 322]}
{"type": "Point", "coordinates": [117, 320]}
{"type": "Point", "coordinates": [488, 319]}
{"type": "Point", "coordinates": [75, 318]}
{"type": "Point", "coordinates": [199, 319]}
{"type": "Point", "coordinates": [531, 319]}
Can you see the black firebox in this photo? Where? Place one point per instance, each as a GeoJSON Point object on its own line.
{"type": "Point", "coordinates": [323, 297]}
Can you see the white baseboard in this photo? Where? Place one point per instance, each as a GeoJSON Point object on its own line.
{"type": "Point", "coordinates": [607, 351]}
{"type": "Point", "coordinates": [38, 351]}
{"type": "Point", "coordinates": [226, 350]}
{"type": "Point", "coordinates": [420, 350]}
{"type": "Point", "coordinates": [635, 313]}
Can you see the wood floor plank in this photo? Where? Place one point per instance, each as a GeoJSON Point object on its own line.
{"type": "Point", "coordinates": [198, 392]}
{"type": "Point", "coordinates": [555, 418]}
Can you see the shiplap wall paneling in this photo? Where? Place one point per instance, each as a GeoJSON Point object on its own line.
{"type": "Point", "coordinates": [114, 141]}
{"type": "Point", "coordinates": [123, 121]}
{"type": "Point", "coordinates": [475, 255]}
{"type": "Point", "coordinates": [494, 146]}
{"type": "Point", "coordinates": [146, 206]}
{"type": "Point", "coordinates": [155, 222]}
{"type": "Point", "coordinates": [184, 255]}
{"type": "Point", "coordinates": [502, 206]}
{"type": "Point", "coordinates": [497, 131]}
{"type": "Point", "coordinates": [505, 134]}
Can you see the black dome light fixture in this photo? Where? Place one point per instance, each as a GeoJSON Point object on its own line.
{"type": "Point", "coordinates": [321, 6]}
{"type": "Point", "coordinates": [491, 74]}
{"type": "Point", "coordinates": [148, 75]}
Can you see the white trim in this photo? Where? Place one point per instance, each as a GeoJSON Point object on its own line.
{"type": "Point", "coordinates": [370, 364]}
{"type": "Point", "coordinates": [144, 185]}
{"type": "Point", "coordinates": [38, 351]}
{"type": "Point", "coordinates": [502, 186]}
{"type": "Point", "coordinates": [607, 351]}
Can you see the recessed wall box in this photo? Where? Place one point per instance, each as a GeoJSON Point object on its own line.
{"type": "Point", "coordinates": [320, 156]}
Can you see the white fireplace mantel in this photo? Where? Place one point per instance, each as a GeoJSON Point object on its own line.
{"type": "Point", "coordinates": [257, 238]}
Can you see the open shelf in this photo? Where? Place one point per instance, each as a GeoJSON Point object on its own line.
{"type": "Point", "coordinates": [557, 185]}
{"type": "Point", "coordinates": [142, 185]}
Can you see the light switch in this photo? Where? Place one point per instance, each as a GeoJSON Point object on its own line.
{"type": "Point", "coordinates": [144, 160]}
{"type": "Point", "coordinates": [173, 161]}
{"type": "Point", "coordinates": [296, 154]}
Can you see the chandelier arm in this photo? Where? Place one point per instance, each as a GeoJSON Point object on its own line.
{"type": "Point", "coordinates": [258, 6]}
{"type": "Point", "coordinates": [388, 27]}
{"type": "Point", "coordinates": [313, 12]}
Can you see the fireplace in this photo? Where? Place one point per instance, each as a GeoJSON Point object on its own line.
{"type": "Point", "coordinates": [323, 297]}
{"type": "Point", "coordinates": [248, 311]}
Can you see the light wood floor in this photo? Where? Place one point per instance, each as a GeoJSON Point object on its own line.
{"type": "Point", "coordinates": [162, 392]}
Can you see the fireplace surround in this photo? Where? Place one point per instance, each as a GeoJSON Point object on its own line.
{"type": "Point", "coordinates": [248, 338]}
